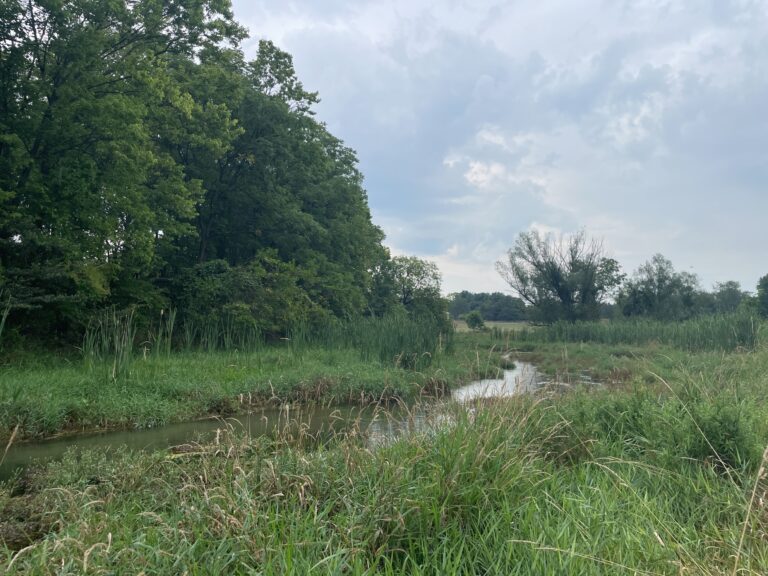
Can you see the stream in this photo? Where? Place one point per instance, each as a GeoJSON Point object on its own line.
{"type": "Point", "coordinates": [378, 425]}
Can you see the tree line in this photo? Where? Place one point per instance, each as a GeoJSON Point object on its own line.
{"type": "Point", "coordinates": [496, 307]}
{"type": "Point", "coordinates": [145, 163]}
{"type": "Point", "coordinates": [570, 279]}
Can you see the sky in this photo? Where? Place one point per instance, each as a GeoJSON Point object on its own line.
{"type": "Point", "coordinates": [644, 123]}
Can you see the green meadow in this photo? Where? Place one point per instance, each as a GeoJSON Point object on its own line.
{"type": "Point", "coordinates": [658, 469]}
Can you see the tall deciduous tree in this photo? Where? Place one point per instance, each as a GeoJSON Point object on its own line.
{"type": "Point", "coordinates": [728, 296]}
{"type": "Point", "coordinates": [561, 279]}
{"type": "Point", "coordinates": [137, 146]}
{"type": "Point", "coordinates": [87, 193]}
{"type": "Point", "coordinates": [409, 284]}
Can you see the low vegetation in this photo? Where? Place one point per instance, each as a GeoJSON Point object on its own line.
{"type": "Point", "coordinates": [114, 383]}
{"type": "Point", "coordinates": [657, 471]}
{"type": "Point", "coordinates": [725, 332]}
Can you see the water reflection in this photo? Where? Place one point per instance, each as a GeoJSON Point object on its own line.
{"type": "Point", "coordinates": [523, 378]}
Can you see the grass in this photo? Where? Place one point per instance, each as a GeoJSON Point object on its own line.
{"type": "Point", "coordinates": [722, 333]}
{"type": "Point", "coordinates": [5, 309]}
{"type": "Point", "coordinates": [47, 399]}
{"type": "Point", "coordinates": [461, 325]}
{"type": "Point", "coordinates": [594, 482]}
{"type": "Point", "coordinates": [661, 470]}
{"type": "Point", "coordinates": [125, 380]}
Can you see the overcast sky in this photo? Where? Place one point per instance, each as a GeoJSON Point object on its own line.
{"type": "Point", "coordinates": [644, 122]}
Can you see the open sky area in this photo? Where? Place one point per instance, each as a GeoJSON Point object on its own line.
{"type": "Point", "coordinates": [644, 122]}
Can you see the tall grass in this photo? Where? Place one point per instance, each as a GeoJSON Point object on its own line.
{"type": "Point", "coordinates": [223, 333]}
{"type": "Point", "coordinates": [109, 343]}
{"type": "Point", "coordinates": [396, 339]}
{"type": "Point", "coordinates": [6, 309]}
{"type": "Point", "coordinates": [517, 487]}
{"type": "Point", "coordinates": [708, 333]}
{"type": "Point", "coordinates": [160, 338]}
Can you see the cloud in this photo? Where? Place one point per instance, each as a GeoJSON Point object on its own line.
{"type": "Point", "coordinates": [640, 121]}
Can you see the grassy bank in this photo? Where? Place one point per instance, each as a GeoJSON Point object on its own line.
{"type": "Point", "coordinates": [46, 396]}
{"type": "Point", "coordinates": [612, 481]}
{"type": "Point", "coordinates": [61, 396]}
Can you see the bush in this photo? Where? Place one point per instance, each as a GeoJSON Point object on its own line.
{"type": "Point", "coordinates": [474, 320]}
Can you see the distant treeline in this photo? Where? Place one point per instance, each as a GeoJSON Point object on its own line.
{"type": "Point", "coordinates": [493, 307]}
{"type": "Point", "coordinates": [569, 279]}
{"type": "Point", "coordinates": [146, 164]}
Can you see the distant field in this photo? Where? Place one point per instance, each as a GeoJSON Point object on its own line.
{"type": "Point", "coordinates": [461, 326]}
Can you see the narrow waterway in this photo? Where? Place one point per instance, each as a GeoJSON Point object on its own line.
{"type": "Point", "coordinates": [378, 425]}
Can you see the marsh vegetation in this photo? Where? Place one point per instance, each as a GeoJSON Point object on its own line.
{"type": "Point", "coordinates": [657, 470]}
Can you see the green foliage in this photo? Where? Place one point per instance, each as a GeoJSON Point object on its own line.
{"type": "Point", "coordinates": [725, 332]}
{"type": "Point", "coordinates": [395, 339]}
{"type": "Point", "coordinates": [762, 297]}
{"type": "Point", "coordinates": [91, 195]}
{"type": "Point", "coordinates": [137, 146]}
{"type": "Point", "coordinates": [264, 295]}
{"type": "Point", "coordinates": [474, 320]}
{"type": "Point", "coordinates": [657, 290]}
{"type": "Point", "coordinates": [728, 297]}
{"type": "Point", "coordinates": [494, 307]}
{"type": "Point", "coordinates": [412, 285]}
{"type": "Point", "coordinates": [560, 279]}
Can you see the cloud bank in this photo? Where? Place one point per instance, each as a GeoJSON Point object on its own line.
{"type": "Point", "coordinates": [642, 121]}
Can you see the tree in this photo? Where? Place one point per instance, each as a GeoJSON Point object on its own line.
{"type": "Point", "coordinates": [728, 296]}
{"type": "Point", "coordinates": [415, 279]}
{"type": "Point", "coordinates": [412, 285]}
{"type": "Point", "coordinates": [496, 306]}
{"type": "Point", "coordinates": [474, 320]}
{"type": "Point", "coordinates": [88, 193]}
{"type": "Point", "coordinates": [762, 296]}
{"type": "Point", "coordinates": [284, 183]}
{"type": "Point", "coordinates": [561, 279]}
{"type": "Point", "coordinates": [137, 145]}
{"type": "Point", "coordinates": [659, 291]}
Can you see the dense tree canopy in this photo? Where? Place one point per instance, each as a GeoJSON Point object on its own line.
{"type": "Point", "coordinates": [145, 163]}
{"type": "Point", "coordinates": [659, 291]}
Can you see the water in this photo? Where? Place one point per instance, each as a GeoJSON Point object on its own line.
{"type": "Point", "coordinates": [524, 378]}
{"type": "Point", "coordinates": [378, 426]}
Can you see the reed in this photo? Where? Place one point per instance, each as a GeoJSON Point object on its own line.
{"type": "Point", "coordinates": [220, 334]}
{"type": "Point", "coordinates": [398, 340]}
{"type": "Point", "coordinates": [6, 310]}
{"type": "Point", "coordinates": [160, 337]}
{"type": "Point", "coordinates": [108, 343]}
{"type": "Point", "coordinates": [709, 333]}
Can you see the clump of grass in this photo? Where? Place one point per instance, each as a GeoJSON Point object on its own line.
{"type": "Point", "coordinates": [227, 333]}
{"type": "Point", "coordinates": [395, 339]}
{"type": "Point", "coordinates": [109, 343]}
{"type": "Point", "coordinates": [161, 337]}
